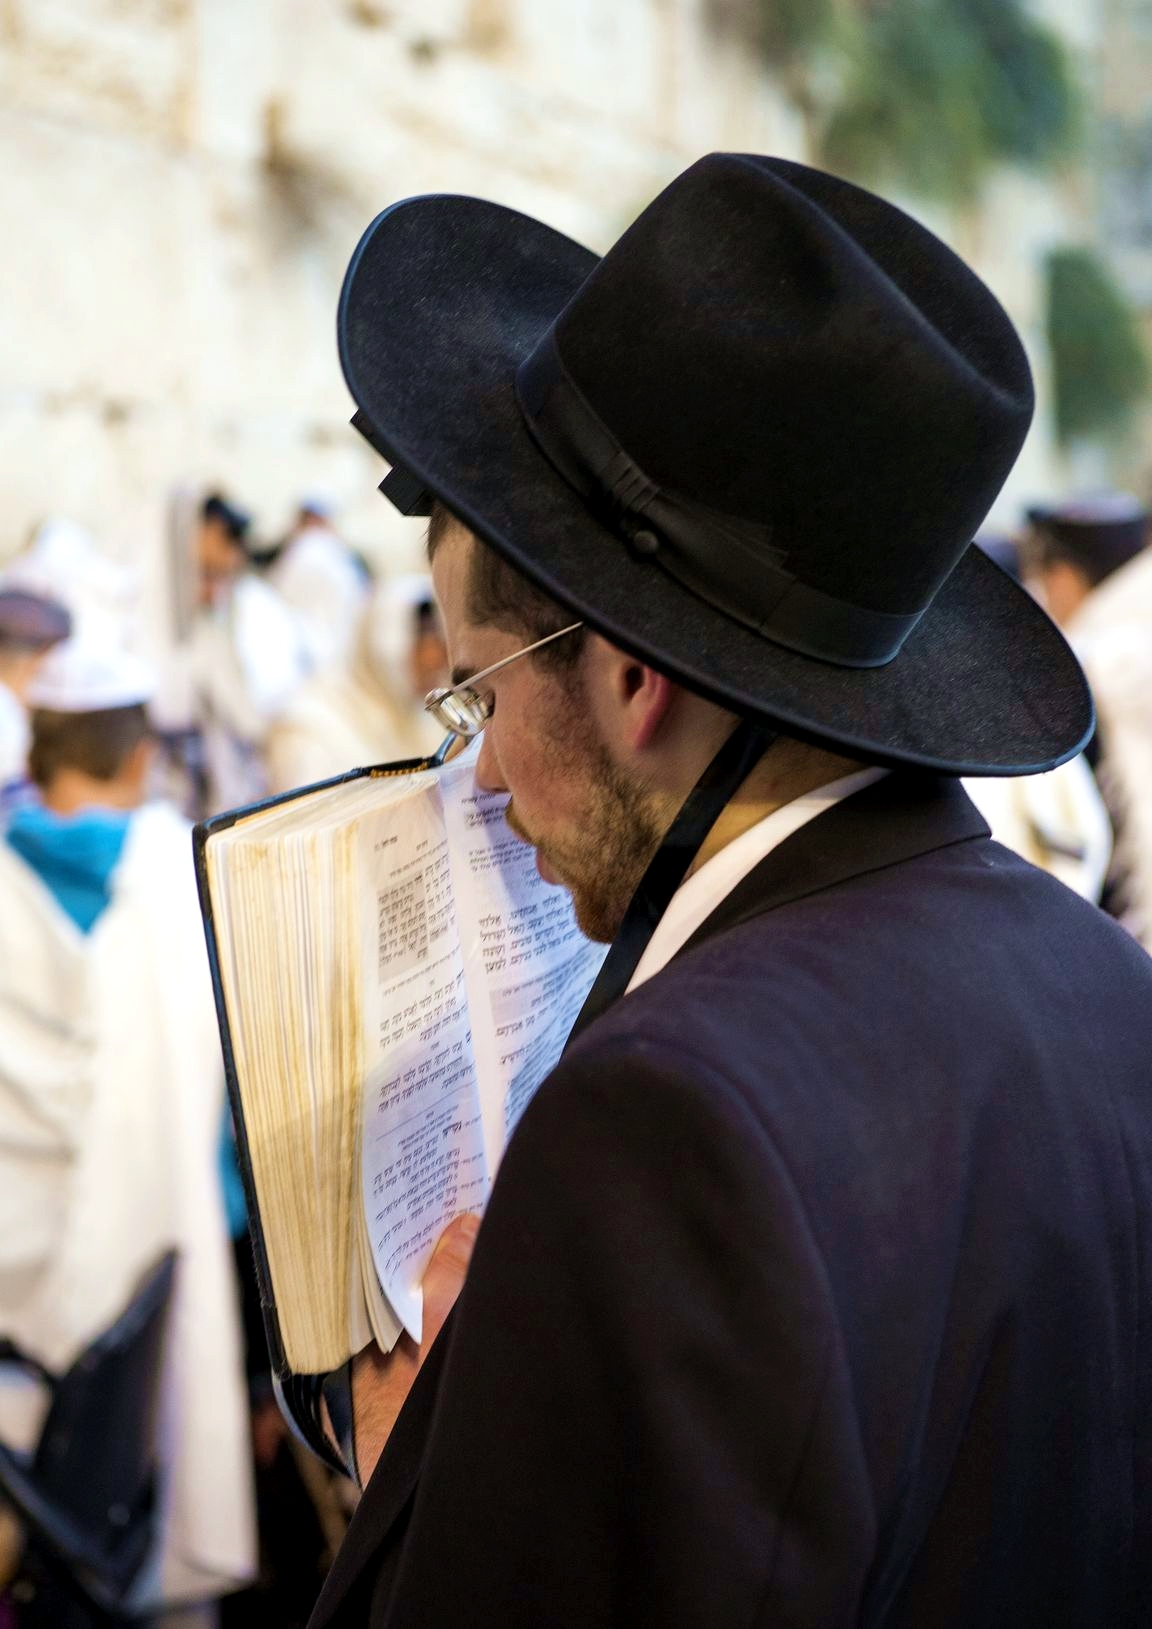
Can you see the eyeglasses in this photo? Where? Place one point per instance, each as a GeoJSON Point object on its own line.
{"type": "Point", "coordinates": [462, 709]}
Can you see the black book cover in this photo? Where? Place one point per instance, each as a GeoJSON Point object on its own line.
{"type": "Point", "coordinates": [299, 1394]}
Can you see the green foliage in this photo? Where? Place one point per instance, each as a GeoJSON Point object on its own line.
{"type": "Point", "coordinates": [1099, 361]}
{"type": "Point", "coordinates": [1031, 103]}
{"type": "Point", "coordinates": [929, 93]}
{"type": "Point", "coordinates": [789, 29]}
{"type": "Point", "coordinates": [906, 111]}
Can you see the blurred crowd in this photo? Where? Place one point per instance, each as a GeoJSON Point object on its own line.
{"type": "Point", "coordinates": [298, 664]}
{"type": "Point", "coordinates": [287, 665]}
{"type": "Point", "coordinates": [1089, 822]}
{"type": "Point", "coordinates": [291, 664]}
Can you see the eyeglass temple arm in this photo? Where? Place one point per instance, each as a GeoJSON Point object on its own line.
{"type": "Point", "coordinates": [484, 673]}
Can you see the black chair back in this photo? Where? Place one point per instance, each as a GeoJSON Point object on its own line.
{"type": "Point", "coordinates": [87, 1494]}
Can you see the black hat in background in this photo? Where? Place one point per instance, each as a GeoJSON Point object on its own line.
{"type": "Point", "coordinates": [751, 445]}
{"type": "Point", "coordinates": [234, 521]}
{"type": "Point", "coordinates": [30, 622]}
{"type": "Point", "coordinates": [1098, 533]}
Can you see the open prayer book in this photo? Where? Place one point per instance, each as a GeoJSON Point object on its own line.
{"type": "Point", "coordinates": [393, 981]}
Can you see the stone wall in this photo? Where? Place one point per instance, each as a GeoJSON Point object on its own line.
{"type": "Point", "coordinates": [182, 181]}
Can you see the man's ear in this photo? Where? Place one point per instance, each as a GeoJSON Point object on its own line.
{"type": "Point", "coordinates": [637, 697]}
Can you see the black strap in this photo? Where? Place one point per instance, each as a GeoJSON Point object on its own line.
{"type": "Point", "coordinates": [300, 1397]}
{"type": "Point", "coordinates": [717, 786]}
{"type": "Point", "coordinates": [730, 563]}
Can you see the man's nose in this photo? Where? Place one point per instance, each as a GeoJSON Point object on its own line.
{"type": "Point", "coordinates": [488, 775]}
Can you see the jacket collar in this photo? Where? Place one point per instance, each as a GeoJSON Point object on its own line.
{"type": "Point", "coordinates": [906, 814]}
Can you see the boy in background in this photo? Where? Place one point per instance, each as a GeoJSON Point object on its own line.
{"type": "Point", "coordinates": [110, 1104]}
{"type": "Point", "coordinates": [30, 626]}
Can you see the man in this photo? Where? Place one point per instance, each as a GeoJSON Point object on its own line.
{"type": "Point", "coordinates": [111, 1092]}
{"type": "Point", "coordinates": [320, 578]}
{"type": "Point", "coordinates": [814, 1287]}
{"type": "Point", "coordinates": [64, 562]}
{"type": "Point", "coordinates": [1093, 570]}
{"type": "Point", "coordinates": [1071, 548]}
{"type": "Point", "coordinates": [220, 546]}
{"type": "Point", "coordinates": [248, 658]}
{"type": "Point", "coordinates": [371, 711]}
{"type": "Point", "coordinates": [29, 627]}
{"type": "Point", "coordinates": [1057, 821]}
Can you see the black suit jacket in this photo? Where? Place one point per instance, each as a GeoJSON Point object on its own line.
{"type": "Point", "coordinates": [815, 1286]}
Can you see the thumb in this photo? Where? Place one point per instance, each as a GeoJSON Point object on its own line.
{"type": "Point", "coordinates": [445, 1274]}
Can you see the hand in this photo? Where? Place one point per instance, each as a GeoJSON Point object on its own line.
{"type": "Point", "coordinates": [381, 1381]}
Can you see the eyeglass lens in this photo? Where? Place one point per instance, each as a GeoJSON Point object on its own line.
{"type": "Point", "coordinates": [464, 711]}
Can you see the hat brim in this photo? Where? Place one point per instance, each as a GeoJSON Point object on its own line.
{"type": "Point", "coordinates": [444, 298]}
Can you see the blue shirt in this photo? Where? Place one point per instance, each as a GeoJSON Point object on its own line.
{"type": "Point", "coordinates": [74, 855]}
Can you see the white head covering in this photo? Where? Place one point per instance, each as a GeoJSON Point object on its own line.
{"type": "Point", "coordinates": [65, 563]}
{"type": "Point", "coordinates": [390, 629]}
{"type": "Point", "coordinates": [318, 502]}
{"type": "Point", "coordinates": [83, 677]}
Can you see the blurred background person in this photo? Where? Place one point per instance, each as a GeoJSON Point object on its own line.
{"type": "Point", "coordinates": [1070, 549]}
{"type": "Point", "coordinates": [372, 711]}
{"type": "Point", "coordinates": [324, 582]}
{"type": "Point", "coordinates": [64, 565]}
{"type": "Point", "coordinates": [248, 657]}
{"type": "Point", "coordinates": [116, 397]}
{"type": "Point", "coordinates": [65, 562]}
{"type": "Point", "coordinates": [1093, 571]}
{"type": "Point", "coordinates": [1058, 821]}
{"type": "Point", "coordinates": [111, 1094]}
{"type": "Point", "coordinates": [30, 626]}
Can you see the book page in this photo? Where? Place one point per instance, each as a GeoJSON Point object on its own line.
{"type": "Point", "coordinates": [527, 965]}
{"type": "Point", "coordinates": [422, 1160]}
{"type": "Point", "coordinates": [283, 884]}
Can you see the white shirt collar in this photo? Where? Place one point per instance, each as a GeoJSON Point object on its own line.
{"type": "Point", "coordinates": [699, 895]}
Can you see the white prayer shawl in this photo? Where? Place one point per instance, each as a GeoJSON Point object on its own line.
{"type": "Point", "coordinates": [1112, 636]}
{"type": "Point", "coordinates": [367, 713]}
{"type": "Point", "coordinates": [110, 1114]}
{"type": "Point", "coordinates": [1057, 821]}
{"type": "Point", "coordinates": [319, 579]}
{"type": "Point", "coordinates": [247, 659]}
{"type": "Point", "coordinates": [341, 721]}
{"type": "Point", "coordinates": [14, 737]}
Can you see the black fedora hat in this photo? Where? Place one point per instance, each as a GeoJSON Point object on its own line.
{"type": "Point", "coordinates": [750, 445]}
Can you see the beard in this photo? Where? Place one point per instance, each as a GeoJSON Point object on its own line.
{"type": "Point", "coordinates": [610, 845]}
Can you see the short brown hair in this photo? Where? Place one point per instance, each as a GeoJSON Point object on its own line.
{"type": "Point", "coordinates": [500, 595]}
{"type": "Point", "coordinates": [97, 744]}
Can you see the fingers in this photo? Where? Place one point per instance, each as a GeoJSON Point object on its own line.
{"type": "Point", "coordinates": [445, 1275]}
{"type": "Point", "coordinates": [456, 1244]}
{"type": "Point", "coordinates": [381, 1381]}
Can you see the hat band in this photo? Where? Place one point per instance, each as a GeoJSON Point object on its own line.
{"type": "Point", "coordinates": [688, 539]}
